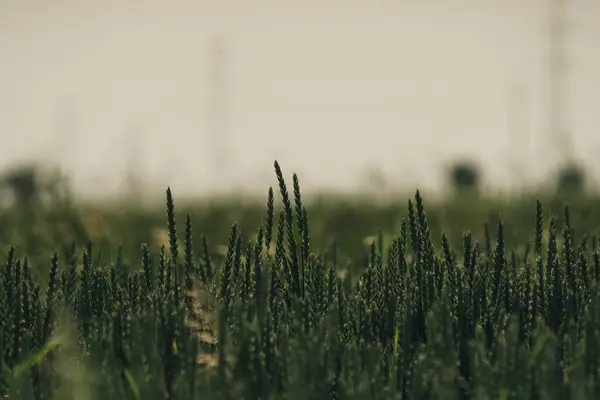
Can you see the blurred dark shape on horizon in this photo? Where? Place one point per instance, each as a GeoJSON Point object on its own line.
{"type": "Point", "coordinates": [29, 184]}
{"type": "Point", "coordinates": [23, 183]}
{"type": "Point", "coordinates": [32, 184]}
{"type": "Point", "coordinates": [465, 177]}
{"type": "Point", "coordinates": [571, 179]}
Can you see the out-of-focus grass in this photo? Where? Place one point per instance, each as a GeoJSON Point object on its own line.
{"type": "Point", "coordinates": [39, 231]}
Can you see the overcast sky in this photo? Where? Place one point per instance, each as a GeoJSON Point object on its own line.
{"type": "Point", "coordinates": [328, 87]}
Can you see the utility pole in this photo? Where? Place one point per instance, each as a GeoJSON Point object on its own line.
{"type": "Point", "coordinates": [66, 125]}
{"type": "Point", "coordinates": [133, 168]}
{"type": "Point", "coordinates": [519, 132]}
{"type": "Point", "coordinates": [558, 79]}
{"type": "Point", "coordinates": [217, 105]}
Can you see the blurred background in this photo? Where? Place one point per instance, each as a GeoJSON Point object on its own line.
{"type": "Point", "coordinates": [203, 95]}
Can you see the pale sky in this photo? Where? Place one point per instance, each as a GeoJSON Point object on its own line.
{"type": "Point", "coordinates": [327, 87]}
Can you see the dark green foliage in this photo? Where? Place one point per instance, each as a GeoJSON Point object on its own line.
{"type": "Point", "coordinates": [571, 179]}
{"type": "Point", "coordinates": [418, 322]}
{"type": "Point", "coordinates": [464, 177]}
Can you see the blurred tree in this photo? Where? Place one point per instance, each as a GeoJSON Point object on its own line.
{"type": "Point", "coordinates": [22, 182]}
{"type": "Point", "coordinates": [571, 179]}
{"type": "Point", "coordinates": [464, 177]}
{"type": "Point", "coordinates": [26, 185]}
